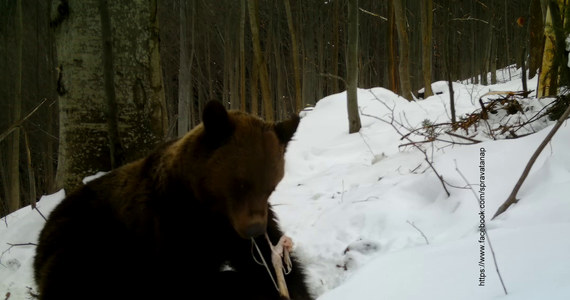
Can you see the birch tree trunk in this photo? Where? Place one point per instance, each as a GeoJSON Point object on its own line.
{"type": "Point", "coordinates": [141, 115]}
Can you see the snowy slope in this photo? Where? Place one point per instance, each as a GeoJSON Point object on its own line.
{"type": "Point", "coordinates": [349, 201]}
{"type": "Point", "coordinates": [358, 207]}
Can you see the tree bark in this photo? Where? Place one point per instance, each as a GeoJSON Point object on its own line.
{"type": "Point", "coordinates": [427, 24]}
{"type": "Point", "coordinates": [536, 37]}
{"type": "Point", "coordinates": [260, 62]}
{"type": "Point", "coordinates": [115, 148]}
{"type": "Point", "coordinates": [295, 55]}
{"type": "Point", "coordinates": [242, 87]}
{"type": "Point", "coordinates": [352, 68]}
{"type": "Point", "coordinates": [507, 41]}
{"type": "Point", "coordinates": [184, 121]}
{"type": "Point", "coordinates": [404, 45]}
{"type": "Point", "coordinates": [84, 145]}
{"type": "Point", "coordinates": [13, 197]}
{"type": "Point", "coordinates": [392, 49]}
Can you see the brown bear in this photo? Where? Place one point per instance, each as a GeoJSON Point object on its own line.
{"type": "Point", "coordinates": [176, 224]}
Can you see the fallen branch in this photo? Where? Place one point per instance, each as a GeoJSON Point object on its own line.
{"type": "Point", "coordinates": [15, 245]}
{"type": "Point", "coordinates": [463, 137]}
{"type": "Point", "coordinates": [513, 196]}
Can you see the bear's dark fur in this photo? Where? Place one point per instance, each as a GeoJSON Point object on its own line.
{"type": "Point", "coordinates": [163, 227]}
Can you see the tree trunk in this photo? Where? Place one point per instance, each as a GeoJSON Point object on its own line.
{"type": "Point", "coordinates": [84, 136]}
{"type": "Point", "coordinates": [427, 24]}
{"type": "Point", "coordinates": [242, 87]}
{"type": "Point", "coordinates": [547, 81]}
{"type": "Point", "coordinates": [259, 62]}
{"type": "Point", "coordinates": [116, 154]}
{"type": "Point", "coordinates": [295, 55]}
{"type": "Point", "coordinates": [13, 195]}
{"type": "Point", "coordinates": [447, 54]}
{"type": "Point", "coordinates": [536, 37]}
{"type": "Point", "coordinates": [352, 68]}
{"type": "Point", "coordinates": [336, 46]}
{"type": "Point", "coordinates": [184, 121]}
{"type": "Point", "coordinates": [507, 41]}
{"type": "Point", "coordinates": [392, 58]}
{"type": "Point", "coordinates": [404, 67]}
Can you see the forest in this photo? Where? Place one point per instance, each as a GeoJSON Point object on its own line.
{"type": "Point", "coordinates": [87, 86]}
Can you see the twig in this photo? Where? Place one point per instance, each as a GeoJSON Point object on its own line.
{"type": "Point", "coordinates": [421, 232]}
{"type": "Point", "coordinates": [469, 18]}
{"type": "Point", "coordinates": [367, 145]}
{"type": "Point", "coordinates": [373, 14]}
{"type": "Point", "coordinates": [484, 229]}
{"type": "Point", "coordinates": [15, 245]}
{"type": "Point", "coordinates": [39, 212]}
{"type": "Point", "coordinates": [366, 200]}
{"type": "Point", "coordinates": [513, 196]}
{"type": "Point", "coordinates": [391, 122]}
{"type": "Point", "coordinates": [333, 76]}
{"type": "Point", "coordinates": [342, 195]}
{"type": "Point", "coordinates": [18, 123]}
{"type": "Point", "coordinates": [463, 137]}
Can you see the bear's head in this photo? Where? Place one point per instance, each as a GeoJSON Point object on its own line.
{"type": "Point", "coordinates": [242, 161]}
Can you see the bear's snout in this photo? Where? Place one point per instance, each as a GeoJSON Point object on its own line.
{"type": "Point", "coordinates": [255, 230]}
{"type": "Point", "coordinates": [249, 222]}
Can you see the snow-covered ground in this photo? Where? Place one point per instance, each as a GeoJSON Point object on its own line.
{"type": "Point", "coordinates": [371, 220]}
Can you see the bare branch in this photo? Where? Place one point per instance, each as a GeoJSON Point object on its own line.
{"type": "Point", "coordinates": [469, 18]}
{"type": "Point", "coordinates": [412, 143]}
{"type": "Point", "coordinates": [19, 122]}
{"type": "Point", "coordinates": [421, 232]}
{"type": "Point", "coordinates": [333, 76]}
{"type": "Point", "coordinates": [513, 196]}
{"type": "Point", "coordinates": [373, 14]}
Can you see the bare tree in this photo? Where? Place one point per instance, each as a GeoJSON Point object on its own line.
{"type": "Point", "coordinates": [427, 24]}
{"type": "Point", "coordinates": [404, 45]}
{"type": "Point", "coordinates": [352, 68]}
{"type": "Point", "coordinates": [185, 94]}
{"type": "Point", "coordinates": [242, 89]}
{"type": "Point", "coordinates": [295, 55]}
{"type": "Point", "coordinates": [13, 198]}
{"type": "Point", "coordinates": [260, 62]}
{"type": "Point", "coordinates": [536, 35]}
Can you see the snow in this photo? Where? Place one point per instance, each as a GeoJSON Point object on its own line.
{"type": "Point", "coordinates": [371, 220]}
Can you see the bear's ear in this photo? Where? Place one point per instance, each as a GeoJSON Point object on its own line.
{"type": "Point", "coordinates": [286, 129]}
{"type": "Point", "coordinates": [216, 122]}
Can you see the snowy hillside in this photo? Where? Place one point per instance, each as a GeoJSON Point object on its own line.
{"type": "Point", "coordinates": [371, 220]}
